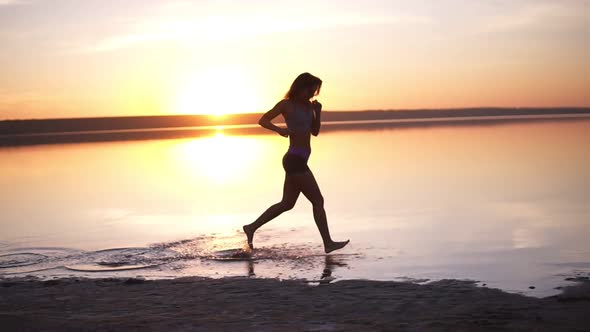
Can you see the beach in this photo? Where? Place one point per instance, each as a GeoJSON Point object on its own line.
{"type": "Point", "coordinates": [239, 304]}
{"type": "Point", "coordinates": [492, 238]}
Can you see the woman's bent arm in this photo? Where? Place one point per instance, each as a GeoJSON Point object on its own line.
{"type": "Point", "coordinates": [265, 120]}
{"type": "Point", "coordinates": [317, 118]}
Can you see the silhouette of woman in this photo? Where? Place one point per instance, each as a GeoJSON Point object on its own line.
{"type": "Point", "coordinates": [303, 119]}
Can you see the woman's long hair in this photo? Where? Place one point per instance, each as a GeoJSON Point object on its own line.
{"type": "Point", "coordinates": [302, 82]}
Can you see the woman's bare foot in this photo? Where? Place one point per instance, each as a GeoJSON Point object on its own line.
{"type": "Point", "coordinates": [328, 248]}
{"type": "Point", "coordinates": [249, 235]}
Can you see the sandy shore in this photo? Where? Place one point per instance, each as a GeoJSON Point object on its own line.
{"type": "Point", "coordinates": [239, 304]}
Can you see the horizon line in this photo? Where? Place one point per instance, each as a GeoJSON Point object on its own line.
{"type": "Point", "coordinates": [220, 116]}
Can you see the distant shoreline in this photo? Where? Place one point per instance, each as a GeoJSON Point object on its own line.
{"type": "Point", "coordinates": [78, 130]}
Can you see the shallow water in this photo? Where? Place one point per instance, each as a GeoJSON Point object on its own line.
{"type": "Point", "coordinates": [507, 205]}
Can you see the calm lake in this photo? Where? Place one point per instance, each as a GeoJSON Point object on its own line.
{"type": "Point", "coordinates": [507, 205]}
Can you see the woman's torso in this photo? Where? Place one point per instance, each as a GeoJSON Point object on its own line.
{"type": "Point", "coordinates": [299, 119]}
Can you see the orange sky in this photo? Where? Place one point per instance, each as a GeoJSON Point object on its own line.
{"type": "Point", "coordinates": [108, 58]}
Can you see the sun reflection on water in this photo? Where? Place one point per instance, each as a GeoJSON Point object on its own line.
{"type": "Point", "coordinates": [220, 158]}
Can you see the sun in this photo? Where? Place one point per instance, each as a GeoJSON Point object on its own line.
{"type": "Point", "coordinates": [217, 90]}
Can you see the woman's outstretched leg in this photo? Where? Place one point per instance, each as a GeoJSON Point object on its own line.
{"type": "Point", "coordinates": [311, 190]}
{"type": "Point", "coordinates": [290, 194]}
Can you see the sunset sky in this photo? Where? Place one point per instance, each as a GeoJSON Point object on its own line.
{"type": "Point", "coordinates": [93, 58]}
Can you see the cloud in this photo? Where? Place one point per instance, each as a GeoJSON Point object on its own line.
{"type": "Point", "coordinates": [223, 28]}
{"type": "Point", "coordinates": [124, 41]}
{"type": "Point", "coordinates": [12, 2]}
{"type": "Point", "coordinates": [544, 15]}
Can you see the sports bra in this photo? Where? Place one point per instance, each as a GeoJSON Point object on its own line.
{"type": "Point", "coordinates": [299, 119]}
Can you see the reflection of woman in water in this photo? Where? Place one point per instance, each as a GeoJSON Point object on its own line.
{"type": "Point", "coordinates": [303, 119]}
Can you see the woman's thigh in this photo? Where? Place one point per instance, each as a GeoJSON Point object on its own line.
{"type": "Point", "coordinates": [309, 187]}
{"type": "Point", "coordinates": [291, 190]}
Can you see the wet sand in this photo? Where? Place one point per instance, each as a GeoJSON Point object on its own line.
{"type": "Point", "coordinates": [239, 304]}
